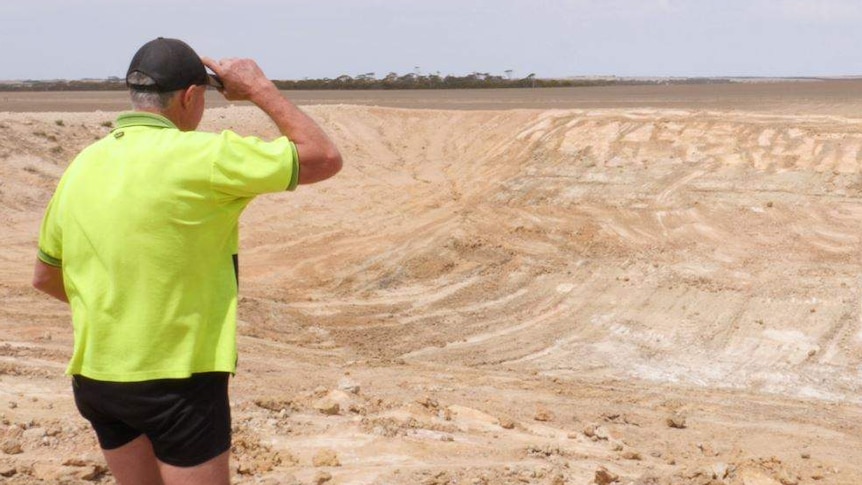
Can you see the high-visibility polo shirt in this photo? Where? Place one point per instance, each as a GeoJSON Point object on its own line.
{"type": "Point", "coordinates": [144, 224]}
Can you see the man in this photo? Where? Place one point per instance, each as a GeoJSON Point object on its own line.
{"type": "Point", "coordinates": [141, 239]}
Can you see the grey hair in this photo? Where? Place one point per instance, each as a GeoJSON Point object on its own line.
{"type": "Point", "coordinates": [143, 99]}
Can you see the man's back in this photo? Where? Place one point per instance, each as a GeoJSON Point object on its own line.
{"type": "Point", "coordinates": [148, 218]}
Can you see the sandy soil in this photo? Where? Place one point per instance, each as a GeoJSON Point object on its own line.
{"type": "Point", "coordinates": [626, 295]}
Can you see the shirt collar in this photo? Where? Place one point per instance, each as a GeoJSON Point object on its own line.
{"type": "Point", "coordinates": [143, 118]}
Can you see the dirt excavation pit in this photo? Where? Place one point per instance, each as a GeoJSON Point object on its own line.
{"type": "Point", "coordinates": [610, 296]}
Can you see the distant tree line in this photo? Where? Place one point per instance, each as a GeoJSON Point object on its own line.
{"type": "Point", "coordinates": [394, 80]}
{"type": "Point", "coordinates": [368, 81]}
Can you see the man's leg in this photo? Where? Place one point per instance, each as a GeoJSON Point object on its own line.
{"type": "Point", "coordinates": [216, 471]}
{"type": "Point", "coordinates": [134, 463]}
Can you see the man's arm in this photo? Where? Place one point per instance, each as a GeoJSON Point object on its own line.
{"type": "Point", "coordinates": [243, 80]}
{"type": "Point", "coordinates": [49, 279]}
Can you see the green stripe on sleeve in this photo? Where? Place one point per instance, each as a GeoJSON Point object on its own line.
{"type": "Point", "coordinates": [48, 259]}
{"type": "Point", "coordinates": [294, 171]}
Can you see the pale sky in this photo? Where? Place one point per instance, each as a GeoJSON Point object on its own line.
{"type": "Point", "coordinates": [295, 39]}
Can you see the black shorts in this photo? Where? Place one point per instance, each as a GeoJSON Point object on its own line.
{"type": "Point", "coordinates": [187, 420]}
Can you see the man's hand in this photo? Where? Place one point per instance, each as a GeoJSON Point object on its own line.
{"type": "Point", "coordinates": [242, 78]}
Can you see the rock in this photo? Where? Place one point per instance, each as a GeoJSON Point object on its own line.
{"type": "Point", "coordinates": [85, 459]}
{"type": "Point", "coordinates": [428, 402]}
{"type": "Point", "coordinates": [11, 447]}
{"type": "Point", "coordinates": [243, 468]}
{"type": "Point", "coordinates": [34, 434]}
{"type": "Point", "coordinates": [707, 450]}
{"type": "Point", "coordinates": [605, 476]}
{"type": "Point", "coordinates": [632, 455]}
{"type": "Point", "coordinates": [53, 473]}
{"type": "Point", "coordinates": [788, 478]}
{"type": "Point", "coordinates": [327, 406]}
{"type": "Point", "coordinates": [348, 385]}
{"type": "Point", "coordinates": [543, 415]}
{"type": "Point", "coordinates": [325, 457]}
{"type": "Point", "coordinates": [602, 433]}
{"type": "Point", "coordinates": [91, 473]}
{"type": "Point", "coordinates": [434, 478]}
{"type": "Point", "coordinates": [47, 472]}
{"type": "Point", "coordinates": [676, 421]}
{"type": "Point", "coordinates": [596, 432]}
{"type": "Point", "coordinates": [545, 450]}
{"type": "Point", "coordinates": [507, 423]}
{"type": "Point", "coordinates": [752, 477]}
{"type": "Point", "coordinates": [321, 478]}
{"type": "Point", "coordinates": [720, 470]}
{"type": "Point", "coordinates": [7, 471]}
{"type": "Point", "coordinates": [275, 404]}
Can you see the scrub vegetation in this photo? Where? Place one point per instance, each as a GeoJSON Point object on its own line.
{"type": "Point", "coordinates": [393, 80]}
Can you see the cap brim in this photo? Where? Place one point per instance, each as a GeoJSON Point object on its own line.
{"type": "Point", "coordinates": [214, 81]}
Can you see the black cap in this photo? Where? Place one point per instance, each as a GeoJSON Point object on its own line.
{"type": "Point", "coordinates": [170, 63]}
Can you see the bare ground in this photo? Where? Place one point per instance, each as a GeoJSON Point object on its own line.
{"type": "Point", "coordinates": [627, 295]}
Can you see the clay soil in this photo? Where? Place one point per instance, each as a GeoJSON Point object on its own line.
{"type": "Point", "coordinates": [653, 289]}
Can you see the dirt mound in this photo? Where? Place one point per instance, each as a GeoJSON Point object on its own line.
{"type": "Point", "coordinates": [563, 296]}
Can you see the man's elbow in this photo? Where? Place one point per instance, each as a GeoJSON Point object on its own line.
{"type": "Point", "coordinates": [41, 282]}
{"type": "Point", "coordinates": [45, 285]}
{"type": "Point", "coordinates": [335, 162]}
{"type": "Point", "coordinates": [49, 280]}
{"type": "Point", "coordinates": [324, 166]}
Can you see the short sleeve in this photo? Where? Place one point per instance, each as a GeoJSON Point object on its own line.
{"type": "Point", "coordinates": [249, 166]}
{"type": "Point", "coordinates": [51, 235]}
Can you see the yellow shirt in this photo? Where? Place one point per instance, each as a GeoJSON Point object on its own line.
{"type": "Point", "coordinates": [144, 224]}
